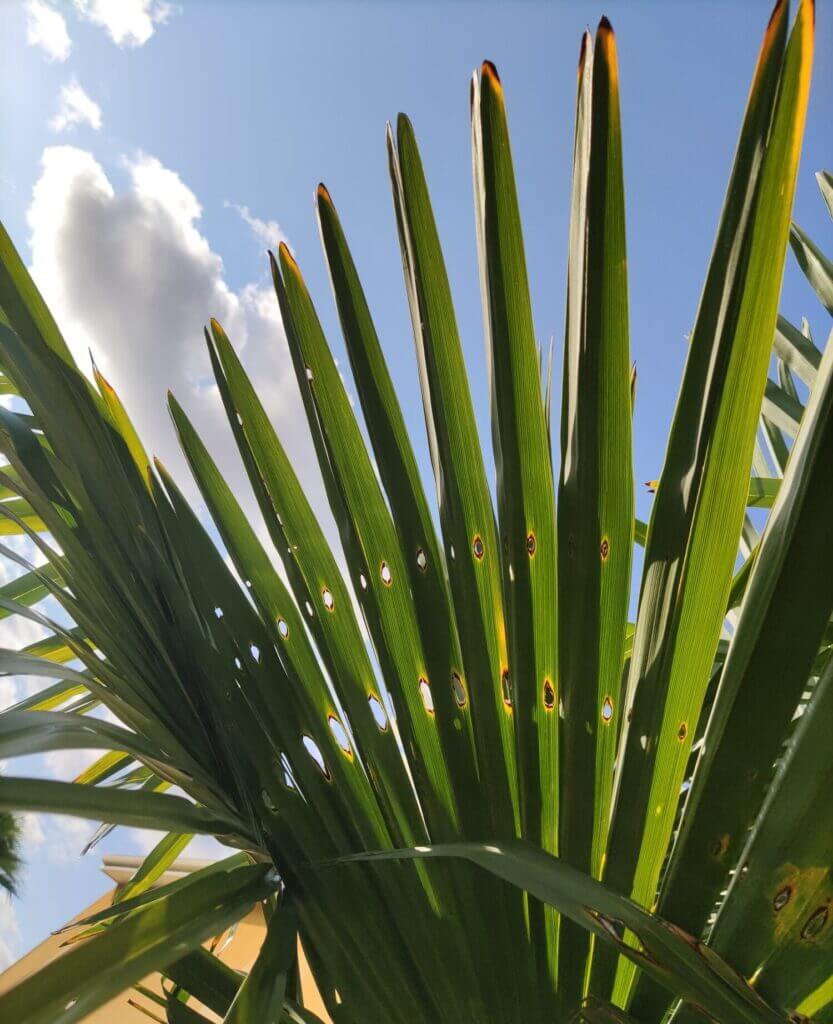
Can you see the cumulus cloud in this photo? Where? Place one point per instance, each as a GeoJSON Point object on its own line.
{"type": "Point", "coordinates": [127, 22]}
{"type": "Point", "coordinates": [269, 232]}
{"type": "Point", "coordinates": [47, 28]}
{"type": "Point", "coordinates": [130, 276]}
{"type": "Point", "coordinates": [9, 933]}
{"type": "Point", "coordinates": [75, 107]}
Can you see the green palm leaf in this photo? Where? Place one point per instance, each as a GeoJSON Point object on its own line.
{"type": "Point", "coordinates": [463, 690]}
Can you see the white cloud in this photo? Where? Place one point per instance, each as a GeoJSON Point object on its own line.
{"type": "Point", "coordinates": [31, 832]}
{"type": "Point", "coordinates": [9, 932]}
{"type": "Point", "coordinates": [47, 28]}
{"type": "Point", "coordinates": [129, 275]}
{"type": "Point", "coordinates": [127, 22]}
{"type": "Point", "coordinates": [269, 232]}
{"type": "Point", "coordinates": [75, 107]}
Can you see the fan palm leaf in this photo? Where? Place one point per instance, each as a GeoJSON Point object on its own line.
{"type": "Point", "coordinates": [450, 763]}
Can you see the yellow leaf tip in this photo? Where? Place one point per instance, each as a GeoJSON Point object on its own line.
{"type": "Point", "coordinates": [489, 72]}
{"type": "Point", "coordinates": [323, 193]}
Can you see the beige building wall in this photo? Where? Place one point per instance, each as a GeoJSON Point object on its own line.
{"type": "Point", "coordinates": [238, 947]}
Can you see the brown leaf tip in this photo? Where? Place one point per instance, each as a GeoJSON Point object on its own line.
{"type": "Point", "coordinates": [604, 25]}
{"type": "Point", "coordinates": [776, 10]}
{"type": "Point", "coordinates": [323, 193]}
{"type": "Point", "coordinates": [582, 53]}
{"type": "Point", "coordinates": [490, 71]}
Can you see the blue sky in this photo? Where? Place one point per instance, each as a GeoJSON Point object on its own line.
{"type": "Point", "coordinates": [151, 151]}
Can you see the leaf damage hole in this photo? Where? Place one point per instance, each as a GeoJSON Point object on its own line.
{"type": "Point", "coordinates": [604, 549]}
{"type": "Point", "coordinates": [478, 548]}
{"type": "Point", "coordinates": [814, 927]}
{"type": "Point", "coordinates": [340, 734]}
{"type": "Point", "coordinates": [421, 560]}
{"type": "Point", "coordinates": [268, 802]}
{"type": "Point", "coordinates": [531, 544]}
{"type": "Point", "coordinates": [255, 651]}
{"type": "Point", "coordinates": [782, 898]}
{"type": "Point", "coordinates": [309, 609]}
{"type": "Point", "coordinates": [385, 573]}
{"type": "Point", "coordinates": [378, 712]}
{"type": "Point", "coordinates": [458, 689]}
{"type": "Point", "coordinates": [506, 689]}
{"type": "Point", "coordinates": [549, 695]}
{"type": "Point", "coordinates": [218, 612]}
{"type": "Point", "coordinates": [315, 753]}
{"type": "Point", "coordinates": [362, 581]}
{"type": "Point", "coordinates": [328, 599]}
{"type": "Point", "coordinates": [310, 374]}
{"type": "Point", "coordinates": [283, 629]}
{"type": "Point", "coordinates": [427, 696]}
{"type": "Point", "coordinates": [607, 710]}
{"type": "Point", "coordinates": [682, 732]}
{"type": "Point", "coordinates": [451, 551]}
{"type": "Point", "coordinates": [612, 925]}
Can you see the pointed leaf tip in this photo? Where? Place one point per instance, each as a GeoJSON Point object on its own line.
{"type": "Point", "coordinates": [489, 71]}
{"type": "Point", "coordinates": [403, 124]}
{"type": "Point", "coordinates": [779, 6]}
{"type": "Point", "coordinates": [288, 260]}
{"type": "Point", "coordinates": [323, 193]}
{"type": "Point", "coordinates": [604, 25]}
{"type": "Point", "coordinates": [583, 49]}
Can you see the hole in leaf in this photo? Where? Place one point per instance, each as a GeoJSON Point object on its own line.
{"type": "Point", "coordinates": [549, 695]}
{"type": "Point", "coordinates": [427, 697]}
{"type": "Point", "coordinates": [530, 544]}
{"type": "Point", "coordinates": [239, 418]}
{"type": "Point", "coordinates": [328, 599]}
{"type": "Point", "coordinates": [378, 712]}
{"type": "Point", "coordinates": [268, 802]}
{"type": "Point", "coordinates": [458, 689]}
{"type": "Point", "coordinates": [612, 925]}
{"type": "Point", "coordinates": [682, 732]}
{"type": "Point", "coordinates": [309, 609]}
{"type": "Point", "coordinates": [310, 375]}
{"type": "Point", "coordinates": [385, 573]}
{"type": "Point", "coordinates": [506, 688]}
{"type": "Point", "coordinates": [248, 584]}
{"type": "Point", "coordinates": [451, 551]}
{"type": "Point", "coordinates": [314, 752]}
{"type": "Point", "coordinates": [340, 734]}
{"type": "Point", "coordinates": [421, 560]}
{"type": "Point", "coordinates": [782, 898]}
{"type": "Point", "coordinates": [283, 629]}
{"type": "Point", "coordinates": [607, 710]}
{"type": "Point", "coordinates": [816, 924]}
{"type": "Point", "coordinates": [237, 663]}
{"type": "Point", "coordinates": [363, 581]}
{"type": "Point", "coordinates": [477, 547]}
{"type": "Point", "coordinates": [604, 549]}
{"type": "Point", "coordinates": [218, 612]}
{"type": "Point", "coordinates": [255, 651]}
